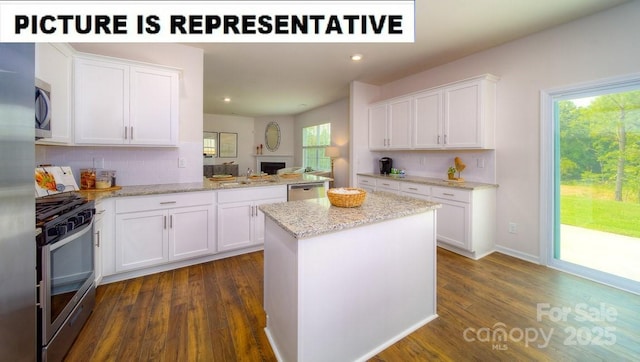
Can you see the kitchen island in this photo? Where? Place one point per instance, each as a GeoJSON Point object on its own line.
{"type": "Point", "coordinates": [342, 284]}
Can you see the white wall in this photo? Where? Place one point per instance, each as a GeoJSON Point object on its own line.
{"type": "Point", "coordinates": [286, 134]}
{"type": "Point", "coordinates": [336, 113]}
{"type": "Point", "coordinates": [141, 166]}
{"type": "Point", "coordinates": [362, 160]}
{"type": "Point", "coordinates": [243, 126]}
{"type": "Point", "coordinates": [599, 46]}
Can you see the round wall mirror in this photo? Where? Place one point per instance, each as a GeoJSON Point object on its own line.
{"type": "Point", "coordinates": [272, 136]}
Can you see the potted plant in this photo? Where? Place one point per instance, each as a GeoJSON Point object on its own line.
{"type": "Point", "coordinates": [451, 172]}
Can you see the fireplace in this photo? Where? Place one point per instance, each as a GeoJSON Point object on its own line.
{"type": "Point", "coordinates": [271, 167]}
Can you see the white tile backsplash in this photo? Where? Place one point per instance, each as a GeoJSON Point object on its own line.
{"type": "Point", "coordinates": [436, 163]}
{"type": "Point", "coordinates": [133, 165]}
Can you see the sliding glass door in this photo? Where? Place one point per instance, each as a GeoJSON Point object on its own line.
{"type": "Point", "coordinates": [593, 182]}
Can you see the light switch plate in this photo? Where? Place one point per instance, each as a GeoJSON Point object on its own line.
{"type": "Point", "coordinates": [182, 162]}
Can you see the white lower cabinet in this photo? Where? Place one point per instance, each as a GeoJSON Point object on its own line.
{"type": "Point", "coordinates": [466, 221]}
{"type": "Point", "coordinates": [102, 236]}
{"type": "Point", "coordinates": [240, 221]}
{"type": "Point", "coordinates": [419, 191]}
{"type": "Point", "coordinates": [152, 230]}
{"type": "Point", "coordinates": [367, 183]}
{"type": "Point", "coordinates": [388, 185]}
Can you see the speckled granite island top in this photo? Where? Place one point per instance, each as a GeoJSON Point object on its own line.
{"type": "Point", "coordinates": [469, 185]}
{"type": "Point", "coordinates": [205, 185]}
{"type": "Point", "coordinates": [309, 218]}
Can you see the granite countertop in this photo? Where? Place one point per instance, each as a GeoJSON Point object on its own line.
{"type": "Point", "coordinates": [205, 185]}
{"type": "Point", "coordinates": [433, 181]}
{"type": "Point", "coordinates": [308, 218]}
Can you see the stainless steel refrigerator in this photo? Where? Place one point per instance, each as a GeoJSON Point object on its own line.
{"type": "Point", "coordinates": [17, 204]}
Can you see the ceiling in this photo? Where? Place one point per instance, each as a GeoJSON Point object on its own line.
{"type": "Point", "coordinates": [265, 79]}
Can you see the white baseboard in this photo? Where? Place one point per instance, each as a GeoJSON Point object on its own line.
{"type": "Point", "coordinates": [518, 254]}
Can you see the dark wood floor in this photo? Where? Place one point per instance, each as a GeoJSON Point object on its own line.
{"type": "Point", "coordinates": [213, 312]}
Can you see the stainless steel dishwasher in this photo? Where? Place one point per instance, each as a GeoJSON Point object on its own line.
{"type": "Point", "coordinates": [312, 190]}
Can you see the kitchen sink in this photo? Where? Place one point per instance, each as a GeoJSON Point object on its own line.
{"type": "Point", "coordinates": [246, 182]}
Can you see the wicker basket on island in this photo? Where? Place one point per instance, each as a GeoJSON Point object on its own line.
{"type": "Point", "coordinates": [346, 196]}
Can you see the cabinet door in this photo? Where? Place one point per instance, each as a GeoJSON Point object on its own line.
{"type": "Point", "coordinates": [98, 225]}
{"type": "Point", "coordinates": [235, 227]}
{"type": "Point", "coordinates": [190, 232]}
{"type": "Point", "coordinates": [378, 127]}
{"type": "Point", "coordinates": [141, 239]}
{"type": "Point", "coordinates": [453, 223]}
{"type": "Point", "coordinates": [258, 220]}
{"type": "Point", "coordinates": [427, 121]}
{"type": "Point", "coordinates": [463, 116]}
{"type": "Point", "coordinates": [53, 64]}
{"type": "Point", "coordinates": [105, 213]}
{"type": "Point", "coordinates": [153, 107]}
{"type": "Point", "coordinates": [399, 124]}
{"type": "Point", "coordinates": [101, 102]}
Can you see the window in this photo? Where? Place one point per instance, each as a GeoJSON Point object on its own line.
{"type": "Point", "coordinates": [210, 141]}
{"type": "Point", "coordinates": [314, 140]}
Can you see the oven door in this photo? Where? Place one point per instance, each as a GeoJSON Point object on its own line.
{"type": "Point", "coordinates": [67, 273]}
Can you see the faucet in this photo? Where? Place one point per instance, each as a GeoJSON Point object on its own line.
{"type": "Point", "coordinates": [249, 172]}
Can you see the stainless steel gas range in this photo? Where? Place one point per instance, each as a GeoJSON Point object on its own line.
{"type": "Point", "coordinates": [65, 271]}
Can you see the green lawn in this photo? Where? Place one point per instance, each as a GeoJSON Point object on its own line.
{"type": "Point", "coordinates": [601, 214]}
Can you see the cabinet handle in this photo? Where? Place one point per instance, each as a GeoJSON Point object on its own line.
{"type": "Point", "coordinates": [438, 139]}
{"type": "Point", "coordinates": [164, 222]}
{"type": "Point", "coordinates": [99, 212]}
{"type": "Point", "coordinates": [446, 194]}
{"type": "Point", "coordinates": [125, 132]}
{"type": "Point", "coordinates": [445, 138]}
{"type": "Point", "coordinates": [167, 202]}
{"type": "Point", "coordinates": [132, 132]}
{"type": "Point", "coordinates": [170, 221]}
{"type": "Point", "coordinates": [98, 238]}
{"type": "Point", "coordinates": [413, 188]}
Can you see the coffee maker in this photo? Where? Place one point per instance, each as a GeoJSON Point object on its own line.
{"type": "Point", "coordinates": [385, 165]}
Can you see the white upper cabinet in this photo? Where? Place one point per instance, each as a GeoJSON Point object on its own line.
{"type": "Point", "coordinates": [390, 125]}
{"type": "Point", "coordinates": [53, 65]}
{"type": "Point", "coordinates": [399, 123]}
{"type": "Point", "coordinates": [469, 114]}
{"type": "Point", "coordinates": [123, 103]}
{"type": "Point", "coordinates": [378, 127]}
{"type": "Point", "coordinates": [427, 123]}
{"type": "Point", "coordinates": [153, 110]}
{"type": "Point", "coordinates": [459, 115]}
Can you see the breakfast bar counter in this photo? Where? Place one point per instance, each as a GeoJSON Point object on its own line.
{"type": "Point", "coordinates": [343, 284]}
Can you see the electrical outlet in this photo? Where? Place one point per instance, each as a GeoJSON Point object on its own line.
{"type": "Point", "coordinates": [480, 162]}
{"type": "Point", "coordinates": [182, 162]}
{"type": "Point", "coordinates": [513, 228]}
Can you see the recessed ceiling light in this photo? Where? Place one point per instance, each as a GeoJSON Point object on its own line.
{"type": "Point", "coordinates": [227, 100]}
{"type": "Point", "coordinates": [356, 57]}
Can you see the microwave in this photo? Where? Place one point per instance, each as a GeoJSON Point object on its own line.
{"type": "Point", "coordinates": [43, 109]}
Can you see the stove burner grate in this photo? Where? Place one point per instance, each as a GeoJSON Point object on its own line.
{"type": "Point", "coordinates": [50, 206]}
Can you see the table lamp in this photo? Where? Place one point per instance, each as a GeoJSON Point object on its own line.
{"type": "Point", "coordinates": [333, 153]}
